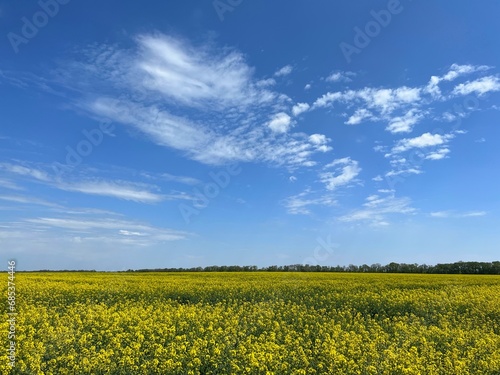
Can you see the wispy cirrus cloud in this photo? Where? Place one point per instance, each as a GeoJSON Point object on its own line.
{"type": "Point", "coordinates": [22, 199]}
{"type": "Point", "coordinates": [301, 203]}
{"type": "Point", "coordinates": [24, 171]}
{"type": "Point", "coordinates": [234, 115]}
{"type": "Point", "coordinates": [116, 189]}
{"type": "Point", "coordinates": [98, 229]}
{"type": "Point", "coordinates": [194, 76]}
{"type": "Point", "coordinates": [121, 227]}
{"type": "Point", "coordinates": [82, 233]}
{"type": "Point", "coordinates": [9, 184]}
{"type": "Point", "coordinates": [455, 214]}
{"type": "Point", "coordinates": [180, 179]}
{"type": "Point", "coordinates": [377, 210]}
{"type": "Point", "coordinates": [126, 190]}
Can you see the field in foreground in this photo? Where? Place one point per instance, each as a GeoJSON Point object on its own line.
{"type": "Point", "coordinates": [255, 323]}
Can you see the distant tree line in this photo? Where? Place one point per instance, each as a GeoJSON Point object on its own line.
{"type": "Point", "coordinates": [475, 268]}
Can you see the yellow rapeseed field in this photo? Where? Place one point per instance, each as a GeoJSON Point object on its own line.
{"type": "Point", "coordinates": [255, 323]}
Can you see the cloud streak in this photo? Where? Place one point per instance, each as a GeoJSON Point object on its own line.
{"type": "Point", "coordinates": [457, 215]}
{"type": "Point", "coordinates": [377, 210]}
{"type": "Point", "coordinates": [119, 189]}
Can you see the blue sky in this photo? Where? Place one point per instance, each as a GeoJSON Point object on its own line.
{"type": "Point", "coordinates": [183, 134]}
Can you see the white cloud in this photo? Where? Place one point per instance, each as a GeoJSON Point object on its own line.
{"type": "Point", "coordinates": [299, 108]}
{"type": "Point", "coordinates": [480, 86]}
{"type": "Point", "coordinates": [474, 214]}
{"type": "Point", "coordinates": [280, 123]}
{"type": "Point", "coordinates": [453, 73]}
{"type": "Point", "coordinates": [426, 147]}
{"type": "Point", "coordinates": [460, 70]}
{"type": "Point", "coordinates": [375, 104]}
{"type": "Point", "coordinates": [432, 87]}
{"type": "Point", "coordinates": [449, 117]}
{"type": "Point", "coordinates": [398, 161]}
{"type": "Point", "coordinates": [286, 70]}
{"type": "Point", "coordinates": [423, 141]}
{"type": "Point", "coordinates": [266, 82]}
{"type": "Point", "coordinates": [346, 172]}
{"type": "Point", "coordinates": [328, 99]}
{"type": "Point", "coordinates": [307, 87]}
{"type": "Point", "coordinates": [378, 178]}
{"type": "Point", "coordinates": [318, 139]}
{"type": "Point", "coordinates": [341, 77]}
{"type": "Point", "coordinates": [380, 148]}
{"type": "Point", "coordinates": [441, 214]}
{"type": "Point", "coordinates": [387, 100]}
{"type": "Point", "coordinates": [359, 116]}
{"type": "Point", "coordinates": [404, 124]}
{"type": "Point", "coordinates": [403, 171]}
{"type": "Point", "coordinates": [438, 155]}
{"type": "Point", "coordinates": [403, 107]}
